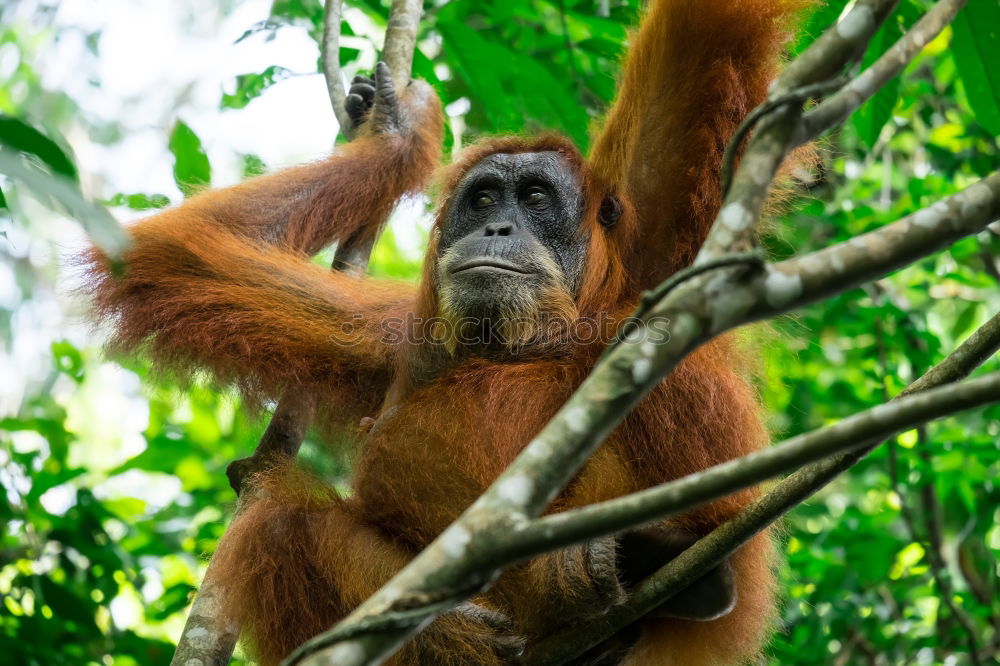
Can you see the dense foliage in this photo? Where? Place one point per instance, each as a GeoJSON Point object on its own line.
{"type": "Point", "coordinates": [113, 491]}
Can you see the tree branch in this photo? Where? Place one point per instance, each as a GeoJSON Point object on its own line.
{"type": "Point", "coordinates": [330, 51]}
{"type": "Point", "coordinates": [397, 52]}
{"type": "Point", "coordinates": [841, 44]}
{"type": "Point", "coordinates": [809, 75]}
{"type": "Point", "coordinates": [401, 39]}
{"type": "Point", "coordinates": [620, 514]}
{"type": "Point", "coordinates": [935, 557]}
{"type": "Point", "coordinates": [872, 255]}
{"type": "Point", "coordinates": [932, 520]}
{"type": "Point", "coordinates": [782, 125]}
{"type": "Point", "coordinates": [726, 539]}
{"type": "Point", "coordinates": [850, 98]}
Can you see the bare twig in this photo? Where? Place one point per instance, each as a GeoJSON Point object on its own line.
{"type": "Point", "coordinates": [935, 556]}
{"type": "Point", "coordinates": [932, 519]}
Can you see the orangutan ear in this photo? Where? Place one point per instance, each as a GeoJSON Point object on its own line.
{"type": "Point", "coordinates": [610, 211]}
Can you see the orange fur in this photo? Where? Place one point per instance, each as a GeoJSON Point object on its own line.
{"type": "Point", "coordinates": [693, 72]}
{"type": "Point", "coordinates": [223, 283]}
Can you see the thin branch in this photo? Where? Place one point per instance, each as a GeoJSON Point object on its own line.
{"type": "Point", "coordinates": [782, 125]}
{"type": "Point", "coordinates": [989, 263]}
{"type": "Point", "coordinates": [935, 556]}
{"type": "Point", "coordinates": [841, 44]}
{"type": "Point", "coordinates": [835, 109]}
{"type": "Point", "coordinates": [796, 96]}
{"type": "Point", "coordinates": [332, 16]}
{"type": "Point", "coordinates": [871, 255]}
{"type": "Point", "coordinates": [397, 52]}
{"type": "Point", "coordinates": [281, 440]}
{"type": "Point", "coordinates": [620, 514]}
{"type": "Point", "coordinates": [932, 519]}
{"type": "Point", "coordinates": [975, 351]}
{"type": "Point", "coordinates": [297, 407]}
{"type": "Point", "coordinates": [809, 75]}
{"type": "Point", "coordinates": [401, 39]}
{"type": "Point", "coordinates": [727, 538]}
{"type": "Point", "coordinates": [208, 638]}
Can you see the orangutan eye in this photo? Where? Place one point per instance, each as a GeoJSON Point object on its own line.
{"type": "Point", "coordinates": [536, 196]}
{"type": "Point", "coordinates": [482, 200]}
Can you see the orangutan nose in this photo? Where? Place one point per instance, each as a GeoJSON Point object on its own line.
{"type": "Point", "coordinates": [498, 229]}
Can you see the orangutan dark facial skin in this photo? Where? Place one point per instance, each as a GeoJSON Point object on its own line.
{"type": "Point", "coordinates": [512, 246]}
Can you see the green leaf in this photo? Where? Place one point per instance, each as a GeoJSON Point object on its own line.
{"type": "Point", "coordinates": [68, 359]}
{"type": "Point", "coordinates": [966, 320]}
{"type": "Point", "coordinates": [474, 62]}
{"type": "Point", "coordinates": [267, 25]}
{"type": "Point", "coordinates": [869, 120]}
{"type": "Point", "coordinates": [68, 606]}
{"type": "Point", "coordinates": [53, 189]}
{"type": "Point", "coordinates": [293, 9]}
{"type": "Point", "coordinates": [139, 201]}
{"type": "Point", "coordinates": [822, 18]}
{"type": "Point", "coordinates": [976, 45]}
{"type": "Point", "coordinates": [251, 86]}
{"type": "Point", "coordinates": [253, 166]}
{"type": "Point", "coordinates": [493, 70]}
{"type": "Point", "coordinates": [23, 137]}
{"type": "Point", "coordinates": [192, 172]}
{"type": "Point", "coordinates": [173, 600]}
